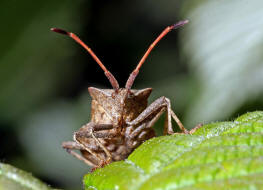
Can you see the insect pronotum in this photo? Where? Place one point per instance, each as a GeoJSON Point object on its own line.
{"type": "Point", "coordinates": [120, 117]}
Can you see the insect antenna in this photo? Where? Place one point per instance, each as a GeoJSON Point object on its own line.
{"type": "Point", "coordinates": [135, 72]}
{"type": "Point", "coordinates": [113, 81]}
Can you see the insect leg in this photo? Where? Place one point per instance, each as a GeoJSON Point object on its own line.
{"type": "Point", "coordinates": [153, 108]}
{"type": "Point", "coordinates": [85, 147]}
{"type": "Point", "coordinates": [87, 131]}
{"type": "Point", "coordinates": [96, 126]}
{"type": "Point", "coordinates": [103, 147]}
{"type": "Point", "coordinates": [168, 129]}
{"type": "Point", "coordinates": [170, 113]}
{"type": "Point", "coordinates": [73, 145]}
{"type": "Point", "coordinates": [195, 128]}
{"type": "Point", "coordinates": [149, 124]}
{"type": "Point", "coordinates": [100, 127]}
{"type": "Point", "coordinates": [140, 131]}
{"type": "Point", "coordinates": [176, 119]}
{"type": "Point", "coordinates": [149, 111]}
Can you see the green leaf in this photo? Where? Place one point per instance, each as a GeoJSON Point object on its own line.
{"type": "Point", "coordinates": [219, 155]}
{"type": "Point", "coordinates": [223, 47]}
{"type": "Point", "coordinates": [12, 178]}
{"type": "Point", "coordinates": [31, 51]}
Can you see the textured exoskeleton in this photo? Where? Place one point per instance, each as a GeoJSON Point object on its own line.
{"type": "Point", "coordinates": [121, 119]}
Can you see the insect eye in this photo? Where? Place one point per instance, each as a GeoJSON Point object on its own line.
{"type": "Point", "coordinates": [113, 94]}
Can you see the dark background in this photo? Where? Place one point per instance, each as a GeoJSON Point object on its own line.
{"type": "Point", "coordinates": [211, 69]}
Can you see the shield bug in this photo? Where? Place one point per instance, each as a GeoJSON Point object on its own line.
{"type": "Point", "coordinates": [120, 117]}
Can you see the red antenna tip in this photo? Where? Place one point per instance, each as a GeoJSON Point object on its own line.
{"type": "Point", "coordinates": [111, 78]}
{"type": "Point", "coordinates": [133, 75]}
{"type": "Point", "coordinates": [179, 24]}
{"type": "Point", "coordinates": [58, 30]}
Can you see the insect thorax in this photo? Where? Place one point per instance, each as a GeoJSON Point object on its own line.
{"type": "Point", "coordinates": [110, 107]}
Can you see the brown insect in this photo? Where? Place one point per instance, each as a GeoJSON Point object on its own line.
{"type": "Point", "coordinates": [120, 118]}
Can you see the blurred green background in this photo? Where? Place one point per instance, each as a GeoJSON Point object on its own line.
{"type": "Point", "coordinates": [211, 69]}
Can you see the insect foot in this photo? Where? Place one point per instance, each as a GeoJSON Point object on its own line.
{"type": "Point", "coordinates": [120, 117]}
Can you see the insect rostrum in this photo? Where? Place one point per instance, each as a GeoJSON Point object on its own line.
{"type": "Point", "coordinates": [120, 117]}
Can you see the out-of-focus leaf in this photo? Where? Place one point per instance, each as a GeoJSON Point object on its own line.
{"type": "Point", "coordinates": [42, 134]}
{"type": "Point", "coordinates": [30, 61]}
{"type": "Point", "coordinates": [12, 178]}
{"type": "Point", "coordinates": [223, 45]}
{"type": "Point", "coordinates": [223, 154]}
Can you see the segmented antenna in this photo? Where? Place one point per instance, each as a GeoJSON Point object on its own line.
{"type": "Point", "coordinates": [135, 72]}
{"type": "Point", "coordinates": [113, 81]}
